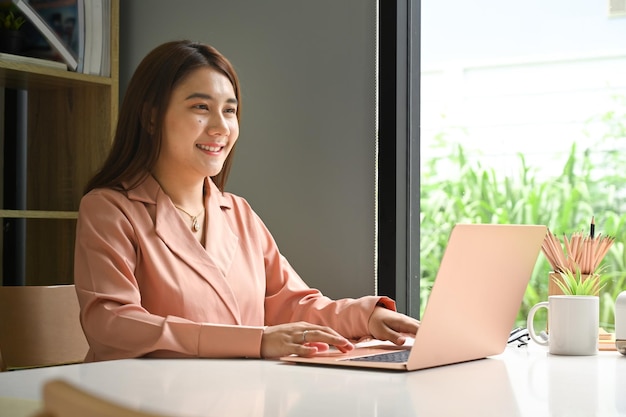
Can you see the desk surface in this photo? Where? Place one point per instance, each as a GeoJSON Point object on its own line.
{"type": "Point", "coordinates": [521, 382]}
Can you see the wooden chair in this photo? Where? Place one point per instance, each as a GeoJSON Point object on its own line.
{"type": "Point", "coordinates": [39, 326]}
{"type": "Point", "coordinates": [62, 399]}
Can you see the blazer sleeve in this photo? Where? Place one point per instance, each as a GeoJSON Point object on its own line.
{"type": "Point", "coordinates": [113, 319]}
{"type": "Point", "coordinates": [290, 299]}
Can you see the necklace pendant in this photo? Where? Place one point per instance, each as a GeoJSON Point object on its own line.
{"type": "Point", "coordinates": [195, 225]}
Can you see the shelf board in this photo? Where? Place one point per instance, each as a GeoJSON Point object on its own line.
{"type": "Point", "coordinates": [26, 75]}
{"type": "Point", "coordinates": [38, 214]}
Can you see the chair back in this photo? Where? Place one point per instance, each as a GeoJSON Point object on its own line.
{"type": "Point", "coordinates": [40, 326]}
{"type": "Point", "coordinates": [62, 399]}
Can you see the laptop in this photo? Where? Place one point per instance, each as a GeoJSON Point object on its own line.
{"type": "Point", "coordinates": [472, 306]}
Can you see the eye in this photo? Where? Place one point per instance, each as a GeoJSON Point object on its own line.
{"type": "Point", "coordinates": [201, 106]}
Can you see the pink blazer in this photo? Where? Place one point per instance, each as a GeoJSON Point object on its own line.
{"type": "Point", "coordinates": [147, 287]}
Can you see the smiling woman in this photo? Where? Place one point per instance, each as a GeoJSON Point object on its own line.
{"type": "Point", "coordinates": [200, 129]}
{"type": "Point", "coordinates": [148, 284]}
{"type": "Point", "coordinates": [145, 108]}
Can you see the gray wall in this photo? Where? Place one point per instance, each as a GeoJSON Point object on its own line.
{"type": "Point", "coordinates": [306, 153]}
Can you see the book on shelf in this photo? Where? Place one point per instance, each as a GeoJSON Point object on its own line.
{"type": "Point", "coordinates": [80, 34]}
{"type": "Point", "coordinates": [87, 34]}
{"type": "Point", "coordinates": [59, 30]}
{"type": "Point", "coordinates": [30, 60]}
{"type": "Point", "coordinates": [105, 69]}
{"type": "Point", "coordinates": [97, 37]}
{"type": "Point", "coordinates": [94, 36]}
{"type": "Point", "coordinates": [67, 18]}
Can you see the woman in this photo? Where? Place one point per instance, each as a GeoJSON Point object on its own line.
{"type": "Point", "coordinates": [167, 263]}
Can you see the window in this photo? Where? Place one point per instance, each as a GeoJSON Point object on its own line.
{"type": "Point", "coordinates": [539, 108]}
{"type": "Point", "coordinates": [523, 120]}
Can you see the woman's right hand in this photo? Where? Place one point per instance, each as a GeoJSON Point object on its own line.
{"type": "Point", "coordinates": [302, 339]}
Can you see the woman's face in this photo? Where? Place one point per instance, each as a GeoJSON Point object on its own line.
{"type": "Point", "coordinates": [200, 126]}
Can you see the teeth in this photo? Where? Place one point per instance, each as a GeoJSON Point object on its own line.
{"type": "Point", "coordinates": [210, 148]}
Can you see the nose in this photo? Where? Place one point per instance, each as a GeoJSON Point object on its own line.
{"type": "Point", "coordinates": [218, 125]}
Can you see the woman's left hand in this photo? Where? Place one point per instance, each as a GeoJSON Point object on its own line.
{"type": "Point", "coordinates": [390, 325]}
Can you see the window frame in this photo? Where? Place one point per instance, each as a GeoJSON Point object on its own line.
{"type": "Point", "coordinates": [398, 233]}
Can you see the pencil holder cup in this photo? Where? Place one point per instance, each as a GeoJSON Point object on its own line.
{"type": "Point", "coordinates": [574, 324]}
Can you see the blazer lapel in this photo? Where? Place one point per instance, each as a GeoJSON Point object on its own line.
{"type": "Point", "coordinates": [221, 242]}
{"type": "Point", "coordinates": [213, 263]}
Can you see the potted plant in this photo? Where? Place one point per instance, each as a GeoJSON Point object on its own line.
{"type": "Point", "coordinates": [11, 35]}
{"type": "Point", "coordinates": [575, 283]}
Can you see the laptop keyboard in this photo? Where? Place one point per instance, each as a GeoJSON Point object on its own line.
{"type": "Point", "coordinates": [399, 356]}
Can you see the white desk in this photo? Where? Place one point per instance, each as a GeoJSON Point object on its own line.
{"type": "Point", "coordinates": [520, 382]}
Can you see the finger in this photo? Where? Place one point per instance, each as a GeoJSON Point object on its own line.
{"type": "Point", "coordinates": [309, 349]}
{"type": "Point", "coordinates": [321, 347]}
{"type": "Point", "coordinates": [327, 337]}
{"type": "Point", "coordinates": [396, 332]}
{"type": "Point", "coordinates": [400, 340]}
{"type": "Point", "coordinates": [315, 331]}
{"type": "Point", "coordinates": [404, 325]}
{"type": "Point", "coordinates": [394, 337]}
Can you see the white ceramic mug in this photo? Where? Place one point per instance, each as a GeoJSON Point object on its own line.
{"type": "Point", "coordinates": [574, 324]}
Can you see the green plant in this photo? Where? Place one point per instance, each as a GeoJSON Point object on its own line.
{"type": "Point", "coordinates": [575, 283]}
{"type": "Point", "coordinates": [456, 188]}
{"type": "Point", "coordinates": [11, 21]}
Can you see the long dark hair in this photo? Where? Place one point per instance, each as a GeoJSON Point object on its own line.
{"type": "Point", "coordinates": [138, 136]}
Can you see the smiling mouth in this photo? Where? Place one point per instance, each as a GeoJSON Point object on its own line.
{"type": "Point", "coordinates": [210, 148]}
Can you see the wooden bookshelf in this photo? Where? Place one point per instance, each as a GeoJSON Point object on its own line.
{"type": "Point", "coordinates": [70, 123]}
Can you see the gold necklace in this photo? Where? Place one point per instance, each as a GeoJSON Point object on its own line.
{"type": "Point", "coordinates": [195, 225]}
